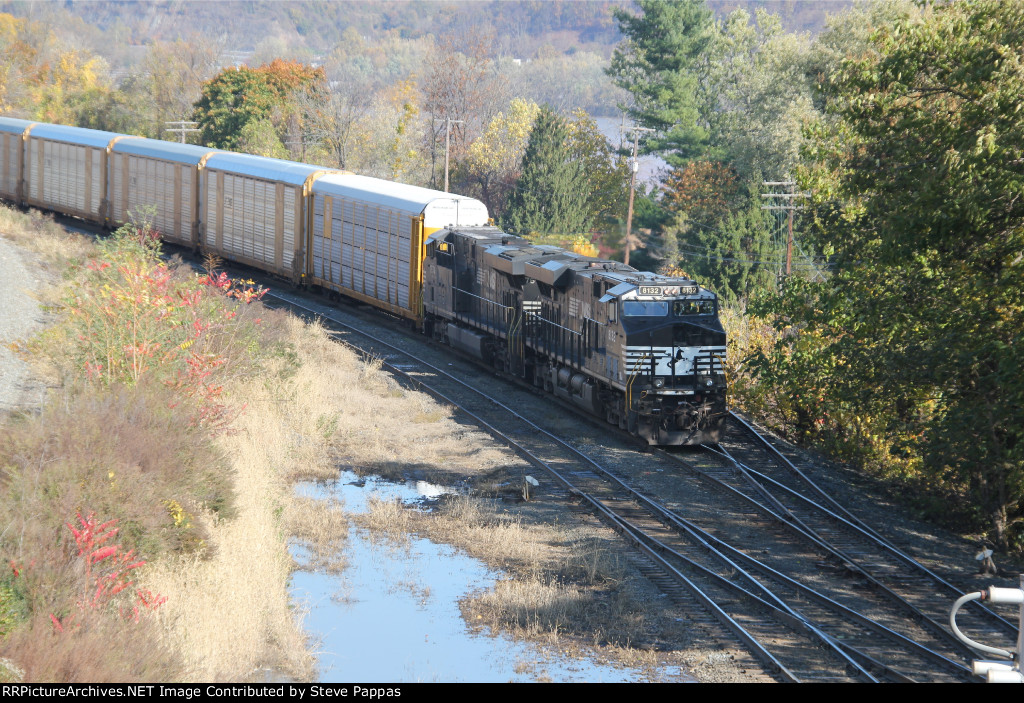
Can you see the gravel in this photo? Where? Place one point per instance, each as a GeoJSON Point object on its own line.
{"type": "Point", "coordinates": [20, 315]}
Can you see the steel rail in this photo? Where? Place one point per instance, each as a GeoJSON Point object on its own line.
{"type": "Point", "coordinates": [854, 655]}
{"type": "Point", "coordinates": [821, 599]}
{"type": "Point", "coordinates": [793, 523]}
{"type": "Point", "coordinates": [651, 506]}
{"type": "Point", "coordinates": [838, 512]}
{"type": "Point", "coordinates": [756, 478]}
{"type": "Point", "coordinates": [842, 652]}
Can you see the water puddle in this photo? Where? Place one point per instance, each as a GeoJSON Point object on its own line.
{"type": "Point", "coordinates": [393, 615]}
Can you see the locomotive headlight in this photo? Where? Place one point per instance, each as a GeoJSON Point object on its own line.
{"type": "Point", "coordinates": [659, 383]}
{"type": "Point", "coordinates": [710, 382]}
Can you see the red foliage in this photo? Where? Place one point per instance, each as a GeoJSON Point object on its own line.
{"type": "Point", "coordinates": [106, 573]}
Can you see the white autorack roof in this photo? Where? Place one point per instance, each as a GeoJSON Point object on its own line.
{"type": "Point", "coordinates": [14, 125]}
{"type": "Point", "coordinates": [165, 151]}
{"type": "Point", "coordinates": [439, 209]}
{"type": "Point", "coordinates": [291, 172]}
{"type": "Point", "coordinates": [75, 135]}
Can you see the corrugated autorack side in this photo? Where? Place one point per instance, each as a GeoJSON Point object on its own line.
{"type": "Point", "coordinates": [645, 352]}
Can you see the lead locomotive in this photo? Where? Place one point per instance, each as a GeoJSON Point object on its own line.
{"type": "Point", "coordinates": [645, 351]}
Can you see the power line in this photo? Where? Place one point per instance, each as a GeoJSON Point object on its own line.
{"type": "Point", "coordinates": [789, 199]}
{"type": "Point", "coordinates": [694, 251]}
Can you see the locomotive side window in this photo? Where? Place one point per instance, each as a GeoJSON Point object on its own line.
{"type": "Point", "coordinates": [644, 308]}
{"type": "Point", "coordinates": [681, 308]}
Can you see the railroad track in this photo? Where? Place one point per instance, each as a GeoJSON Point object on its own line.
{"type": "Point", "coordinates": [795, 631]}
{"type": "Point", "coordinates": [780, 476]}
{"type": "Point", "coordinates": [906, 596]}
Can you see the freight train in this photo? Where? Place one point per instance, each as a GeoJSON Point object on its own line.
{"type": "Point", "coordinates": [644, 351]}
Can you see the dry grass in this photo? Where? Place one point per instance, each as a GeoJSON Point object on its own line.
{"type": "Point", "coordinates": [85, 654]}
{"type": "Point", "coordinates": [39, 233]}
{"type": "Point", "coordinates": [529, 608]}
{"type": "Point", "coordinates": [387, 519]}
{"type": "Point", "coordinates": [127, 454]}
{"type": "Point", "coordinates": [229, 614]}
{"type": "Point", "coordinates": [232, 614]}
{"type": "Point", "coordinates": [560, 580]}
{"type": "Point", "coordinates": [121, 454]}
{"type": "Point", "coordinates": [319, 526]}
{"type": "Point", "coordinates": [500, 539]}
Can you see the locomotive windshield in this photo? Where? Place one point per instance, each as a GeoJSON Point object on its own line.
{"type": "Point", "coordinates": [681, 308]}
{"type": "Point", "coordinates": [644, 308]}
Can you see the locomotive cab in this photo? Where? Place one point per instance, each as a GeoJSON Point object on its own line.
{"type": "Point", "coordinates": [675, 364]}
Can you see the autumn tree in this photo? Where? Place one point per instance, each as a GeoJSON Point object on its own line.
{"type": "Point", "coordinates": [396, 135]}
{"type": "Point", "coordinates": [460, 84]}
{"type": "Point", "coordinates": [44, 79]}
{"type": "Point", "coordinates": [237, 96]}
{"type": "Point", "coordinates": [21, 44]}
{"type": "Point", "coordinates": [173, 76]}
{"type": "Point", "coordinates": [491, 166]}
{"type": "Point", "coordinates": [912, 350]}
{"type": "Point", "coordinates": [66, 89]}
{"type": "Point", "coordinates": [607, 174]}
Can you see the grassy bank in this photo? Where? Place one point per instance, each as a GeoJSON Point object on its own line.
{"type": "Point", "coordinates": [143, 537]}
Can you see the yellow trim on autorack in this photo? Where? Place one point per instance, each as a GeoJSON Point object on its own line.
{"type": "Point", "coordinates": [416, 256]}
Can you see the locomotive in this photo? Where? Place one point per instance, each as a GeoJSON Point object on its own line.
{"type": "Point", "coordinates": [644, 351]}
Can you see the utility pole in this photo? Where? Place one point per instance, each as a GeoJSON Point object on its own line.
{"type": "Point", "coordinates": [789, 199]}
{"type": "Point", "coordinates": [183, 127]}
{"type": "Point", "coordinates": [447, 141]}
{"type": "Point", "coordinates": [634, 166]}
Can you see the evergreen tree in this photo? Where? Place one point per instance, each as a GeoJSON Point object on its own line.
{"type": "Point", "coordinates": [551, 195]}
{"type": "Point", "coordinates": [736, 255]}
{"type": "Point", "coordinates": [660, 63]}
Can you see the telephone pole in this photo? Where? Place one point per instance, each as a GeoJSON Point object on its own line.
{"type": "Point", "coordinates": [634, 166]}
{"type": "Point", "coordinates": [183, 127]}
{"type": "Point", "coordinates": [447, 141]}
{"type": "Point", "coordinates": [788, 200]}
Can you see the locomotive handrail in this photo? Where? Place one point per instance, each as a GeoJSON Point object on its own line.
{"type": "Point", "coordinates": [632, 377]}
{"type": "Point", "coordinates": [479, 297]}
{"type": "Point", "coordinates": [554, 324]}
